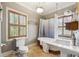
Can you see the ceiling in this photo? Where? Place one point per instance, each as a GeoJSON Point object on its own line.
{"type": "Point", "coordinates": [49, 7]}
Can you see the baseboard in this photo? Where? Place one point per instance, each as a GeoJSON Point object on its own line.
{"type": "Point", "coordinates": [7, 53]}
{"type": "Point", "coordinates": [33, 44]}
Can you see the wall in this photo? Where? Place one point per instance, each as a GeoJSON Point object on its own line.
{"type": "Point", "coordinates": [32, 26]}
{"type": "Point", "coordinates": [77, 8]}
{"type": "Point", "coordinates": [61, 11]}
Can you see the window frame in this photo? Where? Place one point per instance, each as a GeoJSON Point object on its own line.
{"type": "Point", "coordinates": [19, 25]}
{"type": "Point", "coordinates": [63, 26]}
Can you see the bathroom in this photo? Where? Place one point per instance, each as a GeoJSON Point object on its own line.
{"type": "Point", "coordinates": [22, 25]}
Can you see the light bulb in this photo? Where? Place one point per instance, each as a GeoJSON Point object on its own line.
{"type": "Point", "coordinates": [40, 10]}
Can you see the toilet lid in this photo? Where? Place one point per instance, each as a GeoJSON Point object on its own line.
{"type": "Point", "coordinates": [20, 42]}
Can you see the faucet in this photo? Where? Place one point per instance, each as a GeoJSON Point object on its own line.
{"type": "Point", "coordinates": [73, 39]}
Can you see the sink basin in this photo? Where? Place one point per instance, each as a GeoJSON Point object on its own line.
{"type": "Point", "coordinates": [61, 41]}
{"type": "Point", "coordinates": [64, 42]}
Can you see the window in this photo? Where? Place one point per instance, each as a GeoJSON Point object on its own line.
{"type": "Point", "coordinates": [16, 25]}
{"type": "Point", "coordinates": [61, 26]}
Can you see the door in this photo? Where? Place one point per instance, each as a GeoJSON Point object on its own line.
{"type": "Point", "coordinates": [0, 39]}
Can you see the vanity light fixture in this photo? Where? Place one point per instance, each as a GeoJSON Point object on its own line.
{"type": "Point", "coordinates": [39, 8]}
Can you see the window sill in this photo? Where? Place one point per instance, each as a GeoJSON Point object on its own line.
{"type": "Point", "coordinates": [17, 38]}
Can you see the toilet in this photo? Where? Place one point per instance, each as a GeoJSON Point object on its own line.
{"type": "Point", "coordinates": [22, 49]}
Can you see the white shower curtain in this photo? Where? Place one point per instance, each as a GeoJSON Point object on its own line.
{"type": "Point", "coordinates": [41, 28]}
{"type": "Point", "coordinates": [46, 28]}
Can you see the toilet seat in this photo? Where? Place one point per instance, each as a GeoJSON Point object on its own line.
{"type": "Point", "coordinates": [23, 48]}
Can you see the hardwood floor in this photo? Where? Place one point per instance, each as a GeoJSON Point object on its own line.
{"type": "Point", "coordinates": [36, 51]}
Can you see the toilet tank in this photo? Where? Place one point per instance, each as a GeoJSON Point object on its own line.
{"type": "Point", "coordinates": [20, 42]}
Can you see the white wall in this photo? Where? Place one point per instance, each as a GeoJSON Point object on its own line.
{"type": "Point", "coordinates": [32, 17]}
{"type": "Point", "coordinates": [32, 31]}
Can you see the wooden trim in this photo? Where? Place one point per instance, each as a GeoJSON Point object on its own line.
{"type": "Point", "coordinates": [16, 24]}
{"type": "Point", "coordinates": [63, 24]}
{"type": "Point", "coordinates": [63, 27]}
{"type": "Point", "coordinates": [8, 24]}
{"type": "Point", "coordinates": [17, 36]}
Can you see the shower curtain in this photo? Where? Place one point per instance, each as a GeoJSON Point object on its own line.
{"type": "Point", "coordinates": [46, 28]}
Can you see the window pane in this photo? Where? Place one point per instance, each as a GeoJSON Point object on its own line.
{"type": "Point", "coordinates": [16, 19]}
{"type": "Point", "coordinates": [67, 32]}
{"type": "Point", "coordinates": [60, 22]}
{"type": "Point", "coordinates": [17, 24]}
{"type": "Point", "coordinates": [59, 31]}
{"type": "Point", "coordinates": [67, 19]}
{"type": "Point", "coordinates": [22, 20]}
{"type": "Point", "coordinates": [13, 30]}
{"type": "Point", "coordinates": [16, 30]}
{"type": "Point", "coordinates": [12, 17]}
{"type": "Point", "coordinates": [25, 20]}
{"type": "Point", "coordinates": [22, 30]}
{"type": "Point", "coordinates": [12, 33]}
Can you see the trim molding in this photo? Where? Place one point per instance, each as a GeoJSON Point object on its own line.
{"type": "Point", "coordinates": [7, 9]}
